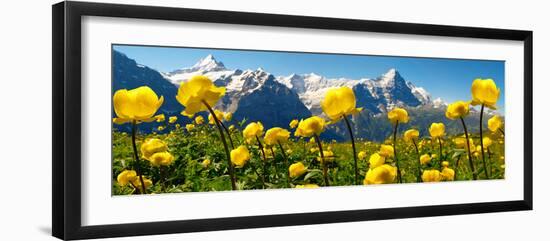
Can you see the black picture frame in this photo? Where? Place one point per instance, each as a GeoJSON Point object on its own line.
{"type": "Point", "coordinates": [66, 47]}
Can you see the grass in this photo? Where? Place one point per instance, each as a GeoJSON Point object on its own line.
{"type": "Point", "coordinates": [191, 148]}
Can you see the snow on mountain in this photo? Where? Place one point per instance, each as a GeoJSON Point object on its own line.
{"type": "Point", "coordinates": [420, 93]}
{"type": "Point", "coordinates": [439, 103]}
{"type": "Point", "coordinates": [208, 66]}
{"type": "Point", "coordinates": [377, 95]}
{"type": "Point", "coordinates": [312, 87]}
{"type": "Point", "coordinates": [387, 80]}
{"type": "Point", "coordinates": [257, 95]}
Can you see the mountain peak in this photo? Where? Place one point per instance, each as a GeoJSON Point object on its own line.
{"type": "Point", "coordinates": [390, 78]}
{"type": "Point", "coordinates": [208, 63]}
{"type": "Point", "coordinates": [392, 74]}
{"type": "Point", "coordinates": [312, 74]}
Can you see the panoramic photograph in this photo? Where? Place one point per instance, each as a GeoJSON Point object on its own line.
{"type": "Point", "coordinates": [201, 119]}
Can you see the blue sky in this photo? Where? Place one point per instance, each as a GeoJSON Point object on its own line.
{"type": "Point", "coordinates": [449, 79]}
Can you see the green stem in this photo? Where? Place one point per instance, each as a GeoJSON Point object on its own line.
{"type": "Point", "coordinates": [325, 168]}
{"type": "Point", "coordinates": [135, 188]}
{"type": "Point", "coordinates": [354, 151]}
{"type": "Point", "coordinates": [481, 140]}
{"type": "Point", "coordinates": [472, 167]}
{"type": "Point", "coordinates": [489, 159]}
{"type": "Point", "coordinates": [395, 152]}
{"type": "Point", "coordinates": [419, 175]}
{"type": "Point", "coordinates": [240, 139]}
{"type": "Point", "coordinates": [440, 150]}
{"type": "Point", "coordinates": [274, 163]}
{"type": "Point", "coordinates": [265, 161]}
{"type": "Point", "coordinates": [162, 174]}
{"type": "Point", "coordinates": [286, 163]}
{"type": "Point", "coordinates": [228, 135]}
{"type": "Point", "coordinates": [458, 164]}
{"type": "Point", "coordinates": [222, 137]}
{"type": "Point", "coordinates": [136, 156]}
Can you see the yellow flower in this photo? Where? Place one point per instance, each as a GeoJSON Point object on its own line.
{"type": "Point", "coordinates": [139, 104]}
{"type": "Point", "coordinates": [362, 155]}
{"type": "Point", "coordinates": [231, 128]}
{"type": "Point", "coordinates": [177, 126]}
{"type": "Point", "coordinates": [460, 142]}
{"type": "Point", "coordinates": [293, 124]}
{"type": "Point", "coordinates": [161, 159]}
{"type": "Point", "coordinates": [199, 89]}
{"type": "Point", "coordinates": [137, 183]}
{"type": "Point", "coordinates": [376, 160]}
{"type": "Point", "coordinates": [253, 130]}
{"type": "Point", "coordinates": [189, 127]}
{"type": "Point", "coordinates": [457, 110]}
{"type": "Point", "coordinates": [296, 169]}
{"type": "Point", "coordinates": [398, 115]}
{"type": "Point", "coordinates": [431, 176]}
{"type": "Point", "coordinates": [228, 116]}
{"type": "Point", "coordinates": [434, 156]}
{"type": "Point", "coordinates": [126, 176]}
{"type": "Point", "coordinates": [477, 151]}
{"type": "Point", "coordinates": [240, 156]}
{"type": "Point", "coordinates": [495, 123]}
{"type": "Point", "coordinates": [219, 115]}
{"type": "Point", "coordinates": [199, 120]}
{"type": "Point", "coordinates": [312, 140]}
{"type": "Point", "coordinates": [339, 102]}
{"type": "Point", "coordinates": [160, 128]}
{"type": "Point", "coordinates": [269, 153]}
{"type": "Point", "coordinates": [172, 119]}
{"type": "Point", "coordinates": [447, 174]}
{"type": "Point", "coordinates": [161, 118]}
{"type": "Point", "coordinates": [487, 142]}
{"type": "Point", "coordinates": [411, 135]}
{"type": "Point", "coordinates": [311, 126]}
{"type": "Point", "coordinates": [307, 186]}
{"type": "Point", "coordinates": [327, 154]}
{"type": "Point", "coordinates": [485, 91]}
{"type": "Point", "coordinates": [386, 150]}
{"type": "Point", "coordinates": [205, 163]}
{"type": "Point", "coordinates": [437, 130]}
{"type": "Point", "coordinates": [152, 146]}
{"type": "Point", "coordinates": [425, 159]}
{"type": "Point", "coordinates": [380, 175]}
{"type": "Point", "coordinates": [276, 135]}
{"type": "Point", "coordinates": [445, 164]}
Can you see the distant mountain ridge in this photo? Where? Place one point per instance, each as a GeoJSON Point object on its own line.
{"type": "Point", "coordinates": [276, 100]}
{"type": "Point", "coordinates": [378, 95]}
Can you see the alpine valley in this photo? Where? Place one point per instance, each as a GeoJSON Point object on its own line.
{"type": "Point", "coordinates": [258, 95]}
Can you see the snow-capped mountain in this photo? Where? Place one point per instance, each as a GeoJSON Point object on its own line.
{"type": "Point", "coordinates": [251, 94]}
{"type": "Point", "coordinates": [376, 95]}
{"type": "Point", "coordinates": [421, 94]}
{"type": "Point", "coordinates": [208, 66]}
{"type": "Point", "coordinates": [311, 88]}
{"type": "Point", "coordinates": [439, 103]}
{"type": "Point", "coordinates": [258, 95]}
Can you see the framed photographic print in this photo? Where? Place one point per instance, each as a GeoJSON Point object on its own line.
{"type": "Point", "coordinates": [170, 120]}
